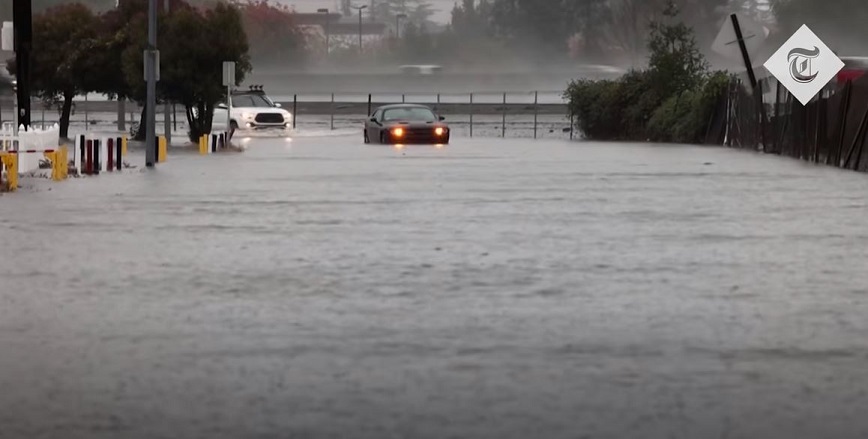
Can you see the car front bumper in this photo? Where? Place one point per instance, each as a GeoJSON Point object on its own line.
{"type": "Point", "coordinates": [265, 126]}
{"type": "Point", "coordinates": [424, 138]}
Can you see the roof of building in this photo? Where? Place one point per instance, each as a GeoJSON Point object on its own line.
{"type": "Point", "coordinates": [338, 24]}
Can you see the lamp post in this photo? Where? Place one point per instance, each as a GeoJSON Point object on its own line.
{"type": "Point", "coordinates": [151, 79]}
{"type": "Point", "coordinates": [166, 6]}
{"type": "Point", "coordinates": [328, 19]}
{"type": "Point", "coordinates": [398, 25]}
{"type": "Point", "coordinates": [360, 24]}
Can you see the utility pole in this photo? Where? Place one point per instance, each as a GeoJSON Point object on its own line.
{"type": "Point", "coordinates": [360, 24]}
{"type": "Point", "coordinates": [398, 25]}
{"type": "Point", "coordinates": [328, 19]}
{"type": "Point", "coordinates": [167, 107]}
{"type": "Point", "coordinates": [151, 78]}
{"type": "Point", "coordinates": [22, 16]}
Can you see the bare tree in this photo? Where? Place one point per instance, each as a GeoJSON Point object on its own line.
{"type": "Point", "coordinates": [629, 26]}
{"type": "Point", "coordinates": [630, 21]}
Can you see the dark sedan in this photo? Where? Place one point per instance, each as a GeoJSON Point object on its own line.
{"type": "Point", "coordinates": [405, 124]}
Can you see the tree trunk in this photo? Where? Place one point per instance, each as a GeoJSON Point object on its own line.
{"type": "Point", "coordinates": [193, 130]}
{"type": "Point", "coordinates": [142, 131]}
{"type": "Point", "coordinates": [65, 113]}
{"type": "Point", "coordinates": [199, 120]}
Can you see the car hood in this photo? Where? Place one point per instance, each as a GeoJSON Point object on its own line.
{"type": "Point", "coordinates": [413, 124]}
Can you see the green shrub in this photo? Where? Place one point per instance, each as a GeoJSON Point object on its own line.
{"type": "Point", "coordinates": [606, 109]}
{"type": "Point", "coordinates": [669, 121]}
{"type": "Point", "coordinates": [593, 104]}
{"type": "Point", "coordinates": [684, 118]}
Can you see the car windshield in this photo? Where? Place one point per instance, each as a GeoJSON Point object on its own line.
{"type": "Point", "coordinates": [410, 114]}
{"type": "Point", "coordinates": [252, 100]}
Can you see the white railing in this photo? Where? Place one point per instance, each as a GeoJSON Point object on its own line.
{"type": "Point", "coordinates": [28, 143]}
{"type": "Point", "coordinates": [32, 139]}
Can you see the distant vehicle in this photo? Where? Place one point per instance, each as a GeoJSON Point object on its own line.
{"type": "Point", "coordinates": [405, 124]}
{"type": "Point", "coordinates": [253, 110]}
{"type": "Point", "coordinates": [854, 68]}
{"type": "Point", "coordinates": [601, 68]}
{"type": "Point", "coordinates": [421, 69]}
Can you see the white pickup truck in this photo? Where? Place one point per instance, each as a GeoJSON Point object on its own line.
{"type": "Point", "coordinates": [252, 110]}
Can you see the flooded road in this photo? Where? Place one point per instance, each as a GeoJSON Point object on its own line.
{"type": "Point", "coordinates": [322, 288]}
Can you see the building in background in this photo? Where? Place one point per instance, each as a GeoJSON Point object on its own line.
{"type": "Point", "coordinates": [343, 30]}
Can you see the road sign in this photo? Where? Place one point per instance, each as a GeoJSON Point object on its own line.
{"type": "Point", "coordinates": [804, 65]}
{"type": "Point", "coordinates": [156, 65]}
{"type": "Point", "coordinates": [228, 73]}
{"type": "Point", "coordinates": [8, 37]}
{"type": "Point", "coordinates": [753, 33]}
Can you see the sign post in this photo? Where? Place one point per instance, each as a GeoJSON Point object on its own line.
{"type": "Point", "coordinates": [22, 16]}
{"type": "Point", "coordinates": [152, 75]}
{"type": "Point", "coordinates": [8, 45]}
{"type": "Point", "coordinates": [228, 81]}
{"type": "Point", "coordinates": [743, 49]}
{"type": "Point", "coordinates": [739, 39]}
{"type": "Point", "coordinates": [8, 37]}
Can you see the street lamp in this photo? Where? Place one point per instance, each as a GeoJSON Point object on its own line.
{"type": "Point", "coordinates": [328, 22]}
{"type": "Point", "coordinates": [398, 25]}
{"type": "Point", "coordinates": [360, 24]}
{"type": "Point", "coordinates": [151, 88]}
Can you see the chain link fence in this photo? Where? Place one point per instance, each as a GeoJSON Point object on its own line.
{"type": "Point", "coordinates": [533, 114]}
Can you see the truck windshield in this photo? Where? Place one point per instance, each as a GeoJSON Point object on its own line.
{"type": "Point", "coordinates": [248, 101]}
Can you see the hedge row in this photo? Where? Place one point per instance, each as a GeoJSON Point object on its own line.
{"type": "Point", "coordinates": [634, 108]}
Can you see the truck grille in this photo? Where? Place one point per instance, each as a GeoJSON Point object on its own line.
{"type": "Point", "coordinates": [269, 118]}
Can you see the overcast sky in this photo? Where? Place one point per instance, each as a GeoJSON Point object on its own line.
{"type": "Point", "coordinates": [443, 7]}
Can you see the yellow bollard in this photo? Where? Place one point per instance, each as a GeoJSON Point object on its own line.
{"type": "Point", "coordinates": [124, 146]}
{"type": "Point", "coordinates": [162, 149]}
{"type": "Point", "coordinates": [55, 165]}
{"type": "Point", "coordinates": [63, 162]}
{"type": "Point", "coordinates": [10, 161]}
{"type": "Point", "coordinates": [3, 155]}
{"type": "Point", "coordinates": [203, 145]}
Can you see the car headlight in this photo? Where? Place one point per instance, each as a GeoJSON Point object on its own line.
{"type": "Point", "coordinates": [247, 116]}
{"type": "Point", "coordinates": [398, 132]}
{"type": "Point", "coordinates": [439, 131]}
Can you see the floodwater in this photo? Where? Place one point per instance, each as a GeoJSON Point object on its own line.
{"type": "Point", "coordinates": [321, 288]}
